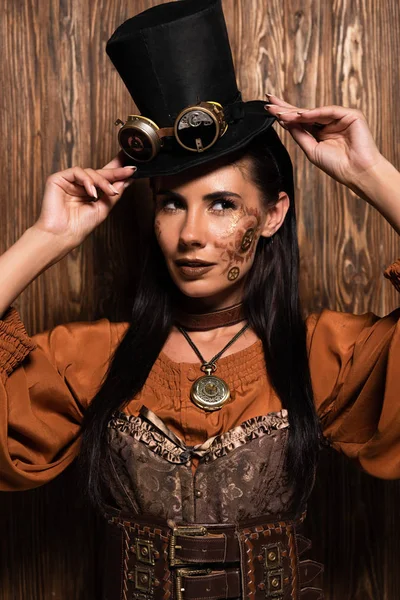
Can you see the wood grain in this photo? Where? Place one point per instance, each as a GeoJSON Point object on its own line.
{"type": "Point", "coordinates": [60, 97]}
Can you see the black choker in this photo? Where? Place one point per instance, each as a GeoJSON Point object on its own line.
{"type": "Point", "coordinates": [212, 320]}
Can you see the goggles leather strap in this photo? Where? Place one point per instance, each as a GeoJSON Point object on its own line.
{"type": "Point", "coordinates": [165, 132]}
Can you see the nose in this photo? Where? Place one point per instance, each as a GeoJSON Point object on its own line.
{"type": "Point", "coordinates": [194, 229]}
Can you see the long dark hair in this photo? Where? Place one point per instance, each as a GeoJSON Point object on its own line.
{"type": "Point", "coordinates": [273, 310]}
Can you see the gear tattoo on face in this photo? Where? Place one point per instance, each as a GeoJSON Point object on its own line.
{"type": "Point", "coordinates": [247, 239]}
{"type": "Point", "coordinates": [241, 248]}
{"type": "Point", "coordinates": [233, 273]}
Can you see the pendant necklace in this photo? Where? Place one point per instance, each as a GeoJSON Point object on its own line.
{"type": "Point", "coordinates": [208, 391]}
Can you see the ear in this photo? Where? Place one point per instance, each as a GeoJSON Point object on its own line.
{"type": "Point", "coordinates": [276, 215]}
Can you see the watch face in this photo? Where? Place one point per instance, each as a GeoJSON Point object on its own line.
{"type": "Point", "coordinates": [137, 144]}
{"type": "Point", "coordinates": [197, 130]}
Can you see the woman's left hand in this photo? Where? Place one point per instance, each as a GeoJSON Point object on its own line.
{"type": "Point", "coordinates": [344, 148]}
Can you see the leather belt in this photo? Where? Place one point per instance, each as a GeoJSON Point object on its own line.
{"type": "Point", "coordinates": [152, 559]}
{"type": "Point", "coordinates": [212, 544]}
{"type": "Point", "coordinates": [200, 584]}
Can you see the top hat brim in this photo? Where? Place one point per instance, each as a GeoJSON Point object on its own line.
{"type": "Point", "coordinates": [255, 120]}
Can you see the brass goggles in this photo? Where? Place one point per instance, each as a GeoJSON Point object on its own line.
{"type": "Point", "coordinates": [196, 129]}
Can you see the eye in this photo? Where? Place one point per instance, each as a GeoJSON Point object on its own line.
{"type": "Point", "coordinates": [223, 205]}
{"type": "Point", "coordinates": [170, 204]}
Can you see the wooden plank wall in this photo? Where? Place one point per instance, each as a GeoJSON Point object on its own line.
{"type": "Point", "coordinates": [59, 98]}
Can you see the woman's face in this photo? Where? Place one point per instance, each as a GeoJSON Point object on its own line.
{"type": "Point", "coordinates": [208, 222]}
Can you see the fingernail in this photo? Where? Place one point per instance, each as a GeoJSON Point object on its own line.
{"type": "Point", "coordinates": [283, 113]}
{"type": "Point", "coordinates": [127, 183]}
{"type": "Point", "coordinates": [282, 124]}
{"type": "Point", "coordinates": [300, 112]}
{"type": "Point", "coordinates": [93, 190]}
{"type": "Point", "coordinates": [130, 167]}
{"type": "Point", "coordinates": [112, 188]}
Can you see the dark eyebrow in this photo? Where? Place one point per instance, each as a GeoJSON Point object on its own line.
{"type": "Point", "coordinates": [212, 196]}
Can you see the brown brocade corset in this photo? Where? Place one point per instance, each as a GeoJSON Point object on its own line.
{"type": "Point", "coordinates": [222, 531]}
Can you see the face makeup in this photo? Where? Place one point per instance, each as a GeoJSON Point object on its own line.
{"type": "Point", "coordinates": [208, 228]}
{"type": "Point", "coordinates": [229, 226]}
{"type": "Point", "coordinates": [247, 239]}
{"type": "Point", "coordinates": [240, 248]}
{"type": "Point", "coordinates": [233, 273]}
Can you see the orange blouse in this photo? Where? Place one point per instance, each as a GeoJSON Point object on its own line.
{"type": "Point", "coordinates": [47, 381]}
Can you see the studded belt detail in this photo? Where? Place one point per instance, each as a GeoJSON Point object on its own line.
{"type": "Point", "coordinates": [257, 560]}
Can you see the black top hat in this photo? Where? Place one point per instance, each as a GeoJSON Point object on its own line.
{"type": "Point", "coordinates": [177, 55]}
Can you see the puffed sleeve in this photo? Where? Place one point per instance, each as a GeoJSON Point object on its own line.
{"type": "Point", "coordinates": [46, 381]}
{"type": "Point", "coordinates": [355, 367]}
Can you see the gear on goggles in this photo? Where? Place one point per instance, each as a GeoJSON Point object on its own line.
{"type": "Point", "coordinates": [196, 129]}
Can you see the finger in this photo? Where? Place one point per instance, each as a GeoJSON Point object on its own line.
{"type": "Point", "coordinates": [76, 182]}
{"type": "Point", "coordinates": [110, 201]}
{"type": "Point", "coordinates": [120, 187]}
{"type": "Point", "coordinates": [294, 116]}
{"type": "Point", "coordinates": [329, 113]}
{"type": "Point", "coordinates": [325, 115]}
{"type": "Point", "coordinates": [107, 202]}
{"type": "Point", "coordinates": [103, 182]}
{"type": "Point", "coordinates": [279, 101]}
{"type": "Point", "coordinates": [275, 110]}
{"type": "Point", "coordinates": [117, 173]}
{"type": "Point", "coordinates": [304, 139]}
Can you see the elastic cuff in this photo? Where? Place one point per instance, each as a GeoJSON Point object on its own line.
{"type": "Point", "coordinates": [393, 274]}
{"type": "Point", "coordinates": [15, 343]}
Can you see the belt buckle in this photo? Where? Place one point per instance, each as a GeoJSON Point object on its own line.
{"type": "Point", "coordinates": [186, 571]}
{"type": "Point", "coordinates": [182, 530]}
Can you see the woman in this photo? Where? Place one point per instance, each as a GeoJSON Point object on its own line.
{"type": "Point", "coordinates": [203, 463]}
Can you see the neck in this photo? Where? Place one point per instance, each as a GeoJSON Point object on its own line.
{"type": "Point", "coordinates": [207, 304]}
{"type": "Point", "coordinates": [210, 314]}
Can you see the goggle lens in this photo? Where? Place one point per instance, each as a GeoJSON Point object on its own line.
{"type": "Point", "coordinates": [196, 130]}
{"type": "Point", "coordinates": [136, 144]}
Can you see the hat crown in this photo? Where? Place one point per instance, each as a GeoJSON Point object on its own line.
{"type": "Point", "coordinates": [174, 55]}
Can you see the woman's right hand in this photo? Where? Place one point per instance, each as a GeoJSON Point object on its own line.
{"type": "Point", "coordinates": [70, 209]}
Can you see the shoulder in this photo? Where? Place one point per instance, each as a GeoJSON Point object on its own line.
{"type": "Point", "coordinates": [336, 320]}
{"type": "Point", "coordinates": [332, 329]}
{"type": "Point", "coordinates": [81, 340]}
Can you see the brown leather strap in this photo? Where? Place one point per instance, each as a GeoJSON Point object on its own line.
{"type": "Point", "coordinates": [309, 570]}
{"type": "Point", "coordinates": [311, 594]}
{"type": "Point", "coordinates": [200, 561]}
{"type": "Point", "coordinates": [211, 320]}
{"type": "Point", "coordinates": [217, 584]}
{"type": "Point", "coordinates": [165, 132]}
{"type": "Point", "coordinates": [211, 548]}
{"type": "Point", "coordinates": [303, 544]}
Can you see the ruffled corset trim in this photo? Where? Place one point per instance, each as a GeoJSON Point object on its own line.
{"type": "Point", "coordinates": [145, 432]}
{"type": "Point", "coordinates": [15, 344]}
{"type": "Point", "coordinates": [150, 430]}
{"type": "Point", "coordinates": [393, 274]}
